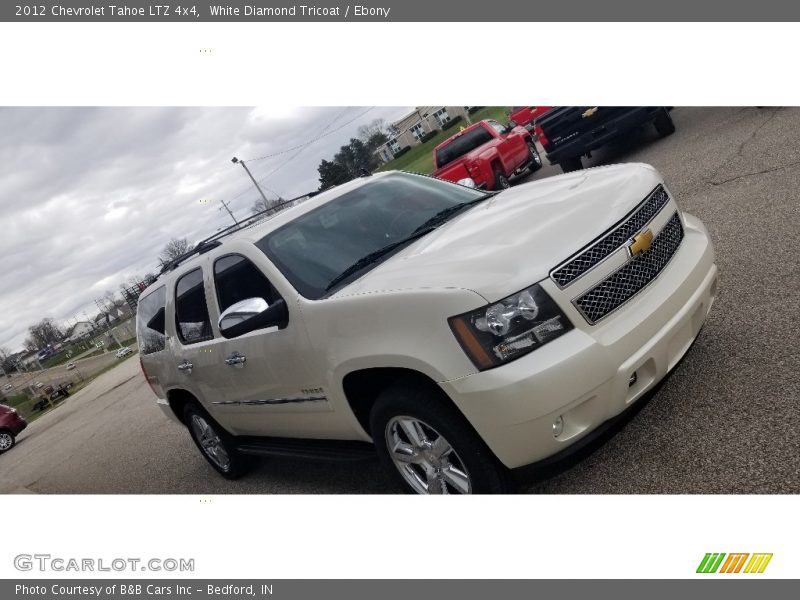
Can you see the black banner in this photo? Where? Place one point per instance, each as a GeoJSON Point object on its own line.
{"type": "Point", "coordinates": [732, 588]}
{"type": "Point", "coordinates": [401, 11]}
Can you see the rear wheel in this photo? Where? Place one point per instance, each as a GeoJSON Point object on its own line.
{"type": "Point", "coordinates": [429, 446]}
{"type": "Point", "coordinates": [214, 443]}
{"type": "Point", "coordinates": [6, 441]}
{"type": "Point", "coordinates": [663, 123]}
{"type": "Point", "coordinates": [535, 158]}
{"type": "Point", "coordinates": [501, 181]}
{"type": "Point", "coordinates": [571, 164]}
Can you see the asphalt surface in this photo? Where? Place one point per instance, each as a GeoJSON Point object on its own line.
{"type": "Point", "coordinates": [725, 421]}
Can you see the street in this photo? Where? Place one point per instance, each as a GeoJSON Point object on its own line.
{"type": "Point", "coordinates": [725, 421]}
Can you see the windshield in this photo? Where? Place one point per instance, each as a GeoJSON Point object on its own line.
{"type": "Point", "coordinates": [459, 146]}
{"type": "Point", "coordinates": [315, 248]}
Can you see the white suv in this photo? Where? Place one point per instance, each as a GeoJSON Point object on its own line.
{"type": "Point", "coordinates": [464, 334]}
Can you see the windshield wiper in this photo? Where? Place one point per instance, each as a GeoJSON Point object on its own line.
{"type": "Point", "coordinates": [372, 257]}
{"type": "Point", "coordinates": [424, 229]}
{"type": "Point", "coordinates": [450, 211]}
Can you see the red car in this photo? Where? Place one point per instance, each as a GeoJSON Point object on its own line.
{"type": "Point", "coordinates": [10, 426]}
{"type": "Point", "coordinates": [526, 115]}
{"type": "Point", "coordinates": [485, 155]}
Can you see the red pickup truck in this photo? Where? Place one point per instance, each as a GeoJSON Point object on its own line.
{"type": "Point", "coordinates": [524, 116]}
{"type": "Point", "coordinates": [485, 155]}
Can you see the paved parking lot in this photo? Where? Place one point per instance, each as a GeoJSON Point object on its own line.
{"type": "Point", "coordinates": [725, 421]}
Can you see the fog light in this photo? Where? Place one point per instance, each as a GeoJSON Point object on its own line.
{"type": "Point", "coordinates": [558, 426]}
{"type": "Point", "coordinates": [632, 379]}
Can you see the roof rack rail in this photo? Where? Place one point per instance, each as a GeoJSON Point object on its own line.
{"type": "Point", "coordinates": [213, 241]}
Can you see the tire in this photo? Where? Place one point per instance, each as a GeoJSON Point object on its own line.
{"type": "Point", "coordinates": [437, 451]}
{"type": "Point", "coordinates": [663, 124]}
{"type": "Point", "coordinates": [215, 444]}
{"type": "Point", "coordinates": [535, 158]}
{"type": "Point", "coordinates": [568, 165]}
{"type": "Point", "coordinates": [7, 440]}
{"type": "Point", "coordinates": [501, 181]}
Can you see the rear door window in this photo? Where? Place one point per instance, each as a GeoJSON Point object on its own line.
{"type": "Point", "coordinates": [191, 310]}
{"type": "Point", "coordinates": [150, 321]}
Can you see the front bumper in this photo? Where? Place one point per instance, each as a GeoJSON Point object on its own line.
{"type": "Point", "coordinates": [583, 376]}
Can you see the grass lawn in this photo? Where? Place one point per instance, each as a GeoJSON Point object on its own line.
{"type": "Point", "coordinates": [24, 406]}
{"type": "Point", "coordinates": [61, 357]}
{"type": "Point", "coordinates": [420, 158]}
{"type": "Point", "coordinates": [15, 400]}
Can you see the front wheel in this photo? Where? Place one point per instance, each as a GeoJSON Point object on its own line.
{"type": "Point", "coordinates": [214, 443]}
{"type": "Point", "coordinates": [429, 445]}
{"type": "Point", "coordinates": [6, 441]}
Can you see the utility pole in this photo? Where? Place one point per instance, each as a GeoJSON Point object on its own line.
{"type": "Point", "coordinates": [104, 311]}
{"type": "Point", "coordinates": [225, 204]}
{"type": "Point", "coordinates": [235, 160]}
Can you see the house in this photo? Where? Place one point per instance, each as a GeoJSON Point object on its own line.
{"type": "Point", "coordinates": [123, 310]}
{"type": "Point", "coordinates": [28, 360]}
{"type": "Point", "coordinates": [81, 330]}
{"type": "Point", "coordinates": [410, 130]}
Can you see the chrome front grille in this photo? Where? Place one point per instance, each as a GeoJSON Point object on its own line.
{"type": "Point", "coordinates": [630, 279]}
{"type": "Point", "coordinates": [587, 258]}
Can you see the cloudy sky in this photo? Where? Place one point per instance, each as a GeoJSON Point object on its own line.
{"type": "Point", "coordinates": [89, 196]}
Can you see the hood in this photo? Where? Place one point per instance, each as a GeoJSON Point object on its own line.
{"type": "Point", "coordinates": [514, 239]}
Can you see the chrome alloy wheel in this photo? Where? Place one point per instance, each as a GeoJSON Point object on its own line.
{"type": "Point", "coordinates": [6, 441]}
{"type": "Point", "coordinates": [425, 459]}
{"type": "Point", "coordinates": [537, 158]}
{"type": "Point", "coordinates": [210, 442]}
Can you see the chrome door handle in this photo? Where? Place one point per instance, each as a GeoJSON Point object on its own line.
{"type": "Point", "coordinates": [235, 360]}
{"type": "Point", "coordinates": [186, 366]}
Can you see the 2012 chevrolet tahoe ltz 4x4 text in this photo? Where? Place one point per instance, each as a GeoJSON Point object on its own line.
{"type": "Point", "coordinates": [460, 334]}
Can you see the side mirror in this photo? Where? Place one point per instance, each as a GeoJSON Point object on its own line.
{"type": "Point", "coordinates": [251, 314]}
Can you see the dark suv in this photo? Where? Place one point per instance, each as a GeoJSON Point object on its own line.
{"type": "Point", "coordinates": [10, 426]}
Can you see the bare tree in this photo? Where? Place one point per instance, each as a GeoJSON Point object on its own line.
{"type": "Point", "coordinates": [30, 345]}
{"type": "Point", "coordinates": [5, 363]}
{"type": "Point", "coordinates": [375, 127]}
{"type": "Point", "coordinates": [110, 299]}
{"type": "Point", "coordinates": [44, 332]}
{"type": "Point", "coordinates": [260, 205]}
{"type": "Point", "coordinates": [174, 248]}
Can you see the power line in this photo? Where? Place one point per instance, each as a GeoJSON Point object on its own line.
{"type": "Point", "coordinates": [261, 177]}
{"type": "Point", "coordinates": [332, 131]}
{"type": "Point", "coordinates": [299, 148]}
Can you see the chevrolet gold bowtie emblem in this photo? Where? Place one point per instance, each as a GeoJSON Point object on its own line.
{"type": "Point", "coordinates": [641, 242]}
{"type": "Point", "coordinates": [588, 113]}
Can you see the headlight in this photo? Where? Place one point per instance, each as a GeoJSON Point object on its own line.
{"type": "Point", "coordinates": [505, 330]}
{"type": "Point", "coordinates": [467, 181]}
